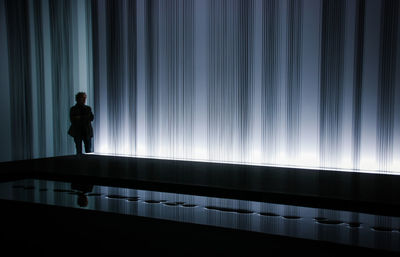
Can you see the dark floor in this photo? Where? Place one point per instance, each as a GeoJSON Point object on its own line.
{"type": "Point", "coordinates": [52, 230]}
{"type": "Point", "coordinates": [59, 231]}
{"type": "Point", "coordinates": [361, 192]}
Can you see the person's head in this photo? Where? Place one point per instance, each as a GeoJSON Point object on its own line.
{"type": "Point", "coordinates": [82, 200]}
{"type": "Point", "coordinates": [80, 98]}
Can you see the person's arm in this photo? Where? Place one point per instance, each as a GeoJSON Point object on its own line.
{"type": "Point", "coordinates": [88, 115]}
{"type": "Point", "coordinates": [91, 116]}
{"type": "Point", "coordinates": [73, 117]}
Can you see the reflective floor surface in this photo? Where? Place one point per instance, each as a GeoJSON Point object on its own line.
{"type": "Point", "coordinates": [356, 192]}
{"type": "Point", "coordinates": [342, 227]}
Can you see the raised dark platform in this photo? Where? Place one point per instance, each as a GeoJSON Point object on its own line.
{"type": "Point", "coordinates": [61, 226]}
{"type": "Point", "coordinates": [361, 192]}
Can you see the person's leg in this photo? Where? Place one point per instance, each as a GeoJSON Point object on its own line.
{"type": "Point", "coordinates": [78, 145]}
{"type": "Point", "coordinates": [88, 144]}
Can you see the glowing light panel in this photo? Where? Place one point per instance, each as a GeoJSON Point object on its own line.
{"type": "Point", "coordinates": [261, 82]}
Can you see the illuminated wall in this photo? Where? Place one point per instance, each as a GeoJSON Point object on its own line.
{"type": "Point", "coordinates": [285, 82]}
{"type": "Point", "coordinates": [46, 58]}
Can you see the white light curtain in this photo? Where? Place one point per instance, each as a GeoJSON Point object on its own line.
{"type": "Point", "coordinates": [272, 82]}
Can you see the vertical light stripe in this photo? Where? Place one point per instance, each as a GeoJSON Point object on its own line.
{"type": "Point", "coordinates": [62, 72]}
{"type": "Point", "coordinates": [5, 118]}
{"type": "Point", "coordinates": [358, 83]}
{"type": "Point", "coordinates": [294, 56]}
{"type": "Point", "coordinates": [20, 78]}
{"type": "Point", "coordinates": [331, 81]}
{"type": "Point", "coordinates": [269, 84]}
{"type": "Point", "coordinates": [386, 88]}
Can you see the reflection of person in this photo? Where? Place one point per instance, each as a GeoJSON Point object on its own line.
{"type": "Point", "coordinates": [81, 129]}
{"type": "Point", "coordinates": [82, 190]}
{"type": "Point", "coordinates": [82, 200]}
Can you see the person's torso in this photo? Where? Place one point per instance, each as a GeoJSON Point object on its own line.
{"type": "Point", "coordinates": [81, 110]}
{"type": "Point", "coordinates": [84, 112]}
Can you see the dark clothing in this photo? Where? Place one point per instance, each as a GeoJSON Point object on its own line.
{"type": "Point", "coordinates": [81, 128]}
{"type": "Point", "coordinates": [87, 141]}
{"type": "Point", "coordinates": [81, 117]}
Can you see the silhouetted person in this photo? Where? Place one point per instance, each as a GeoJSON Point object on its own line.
{"type": "Point", "coordinates": [81, 129]}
